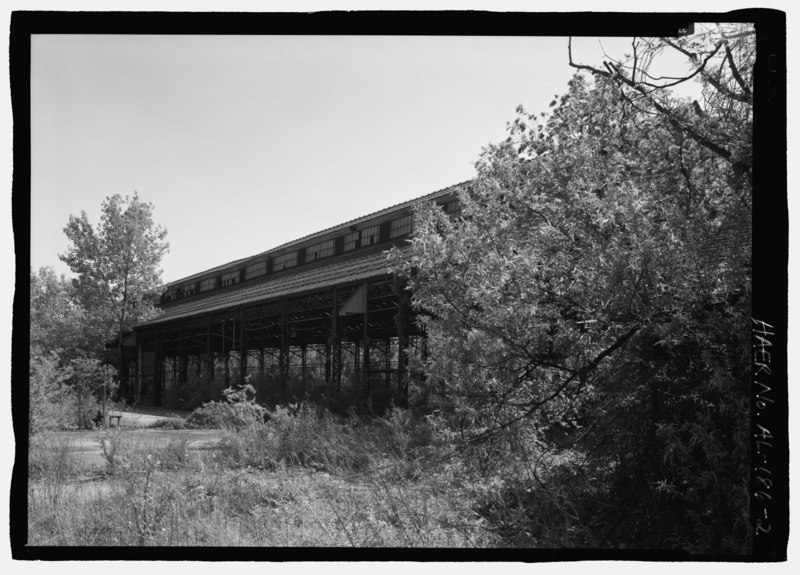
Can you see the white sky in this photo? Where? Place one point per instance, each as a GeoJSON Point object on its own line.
{"type": "Point", "coordinates": [243, 143]}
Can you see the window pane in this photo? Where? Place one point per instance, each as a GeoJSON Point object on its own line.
{"type": "Point", "coordinates": [230, 278]}
{"type": "Point", "coordinates": [350, 241]}
{"type": "Point", "coordinates": [401, 226]}
{"type": "Point", "coordinates": [285, 261]}
{"type": "Point", "coordinates": [319, 251]}
{"type": "Point", "coordinates": [208, 284]}
{"type": "Point", "coordinates": [186, 290]}
{"type": "Point", "coordinates": [453, 208]}
{"type": "Point", "coordinates": [255, 270]}
{"type": "Point", "coordinates": [370, 236]}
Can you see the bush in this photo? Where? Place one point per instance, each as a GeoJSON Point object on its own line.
{"type": "Point", "coordinates": [238, 410]}
{"type": "Point", "coordinates": [193, 393]}
{"type": "Point", "coordinates": [271, 392]}
{"type": "Point", "coordinates": [113, 443]}
{"type": "Point", "coordinates": [52, 457]}
{"type": "Point", "coordinates": [173, 422]}
{"type": "Point", "coordinates": [50, 397]}
{"type": "Point", "coordinates": [305, 433]}
{"type": "Point", "coordinates": [90, 377]}
{"type": "Point", "coordinates": [66, 396]}
{"type": "Point", "coordinates": [309, 435]}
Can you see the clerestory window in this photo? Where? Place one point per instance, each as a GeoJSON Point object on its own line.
{"type": "Point", "coordinates": [370, 236]}
{"type": "Point", "coordinates": [255, 270]}
{"type": "Point", "coordinates": [319, 251]}
{"type": "Point", "coordinates": [401, 226]}
{"type": "Point", "coordinates": [285, 261]}
{"type": "Point", "coordinates": [350, 241]}
{"type": "Point", "coordinates": [453, 209]}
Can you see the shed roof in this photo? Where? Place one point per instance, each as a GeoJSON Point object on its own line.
{"type": "Point", "coordinates": [339, 272]}
{"type": "Point", "coordinates": [339, 227]}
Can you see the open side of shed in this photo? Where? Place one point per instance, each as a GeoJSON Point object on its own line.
{"type": "Point", "coordinates": [322, 313]}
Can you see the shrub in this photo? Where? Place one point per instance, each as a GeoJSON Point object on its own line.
{"type": "Point", "coordinates": [308, 435]}
{"type": "Point", "coordinates": [52, 457]}
{"type": "Point", "coordinates": [238, 410]}
{"type": "Point", "coordinates": [175, 454]}
{"type": "Point", "coordinates": [88, 379]}
{"type": "Point", "coordinates": [193, 393]}
{"type": "Point", "coordinates": [147, 499]}
{"type": "Point", "coordinates": [173, 422]}
{"type": "Point", "coordinates": [113, 443]}
{"type": "Point", "coordinates": [65, 396]}
{"type": "Point", "coordinates": [297, 434]}
{"type": "Point", "coordinates": [50, 397]}
{"type": "Point", "coordinates": [271, 391]}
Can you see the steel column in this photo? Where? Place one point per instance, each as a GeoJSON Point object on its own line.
{"type": "Point", "coordinates": [225, 352]}
{"type": "Point", "coordinates": [283, 358]}
{"type": "Point", "coordinates": [243, 351]}
{"type": "Point", "coordinates": [303, 363]}
{"type": "Point", "coordinates": [182, 359]}
{"type": "Point", "coordinates": [336, 341]}
{"type": "Point", "coordinates": [365, 362]}
{"type": "Point", "coordinates": [139, 368]}
{"type": "Point", "coordinates": [209, 352]}
{"type": "Point", "coordinates": [402, 348]}
{"type": "Point", "coordinates": [387, 364]}
{"type": "Point", "coordinates": [157, 371]}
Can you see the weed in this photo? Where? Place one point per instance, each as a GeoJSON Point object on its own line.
{"type": "Point", "coordinates": [113, 443]}
{"type": "Point", "coordinates": [51, 460]}
{"type": "Point", "coordinates": [175, 454]}
{"type": "Point", "coordinates": [173, 422]}
{"type": "Point", "coordinates": [300, 476]}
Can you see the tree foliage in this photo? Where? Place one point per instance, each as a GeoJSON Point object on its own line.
{"type": "Point", "coordinates": [57, 318]}
{"type": "Point", "coordinates": [48, 393]}
{"type": "Point", "coordinates": [597, 292]}
{"type": "Point", "coordinates": [117, 265]}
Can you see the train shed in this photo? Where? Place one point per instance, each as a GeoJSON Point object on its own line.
{"type": "Point", "coordinates": [323, 312]}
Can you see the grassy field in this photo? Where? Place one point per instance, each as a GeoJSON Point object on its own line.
{"type": "Point", "coordinates": [302, 478]}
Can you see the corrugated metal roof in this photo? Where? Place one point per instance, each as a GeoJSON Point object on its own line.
{"type": "Point", "coordinates": [342, 227]}
{"type": "Point", "coordinates": [339, 272]}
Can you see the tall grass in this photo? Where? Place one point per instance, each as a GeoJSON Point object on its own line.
{"type": "Point", "coordinates": [300, 476]}
{"type": "Point", "coordinates": [51, 461]}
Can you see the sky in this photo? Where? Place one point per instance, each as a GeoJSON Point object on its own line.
{"type": "Point", "coordinates": [243, 143]}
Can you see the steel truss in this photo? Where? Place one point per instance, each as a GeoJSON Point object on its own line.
{"type": "Point", "coordinates": [294, 343]}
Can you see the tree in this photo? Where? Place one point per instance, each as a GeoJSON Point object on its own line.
{"type": "Point", "coordinates": [116, 266]}
{"type": "Point", "coordinates": [49, 394]}
{"type": "Point", "coordinates": [723, 58]}
{"type": "Point", "coordinates": [57, 319]}
{"type": "Point", "coordinates": [596, 292]}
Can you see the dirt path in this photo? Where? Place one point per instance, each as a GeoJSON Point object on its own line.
{"type": "Point", "coordinates": [86, 444]}
{"type": "Point", "coordinates": [144, 416]}
{"type": "Point", "coordinates": [134, 427]}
